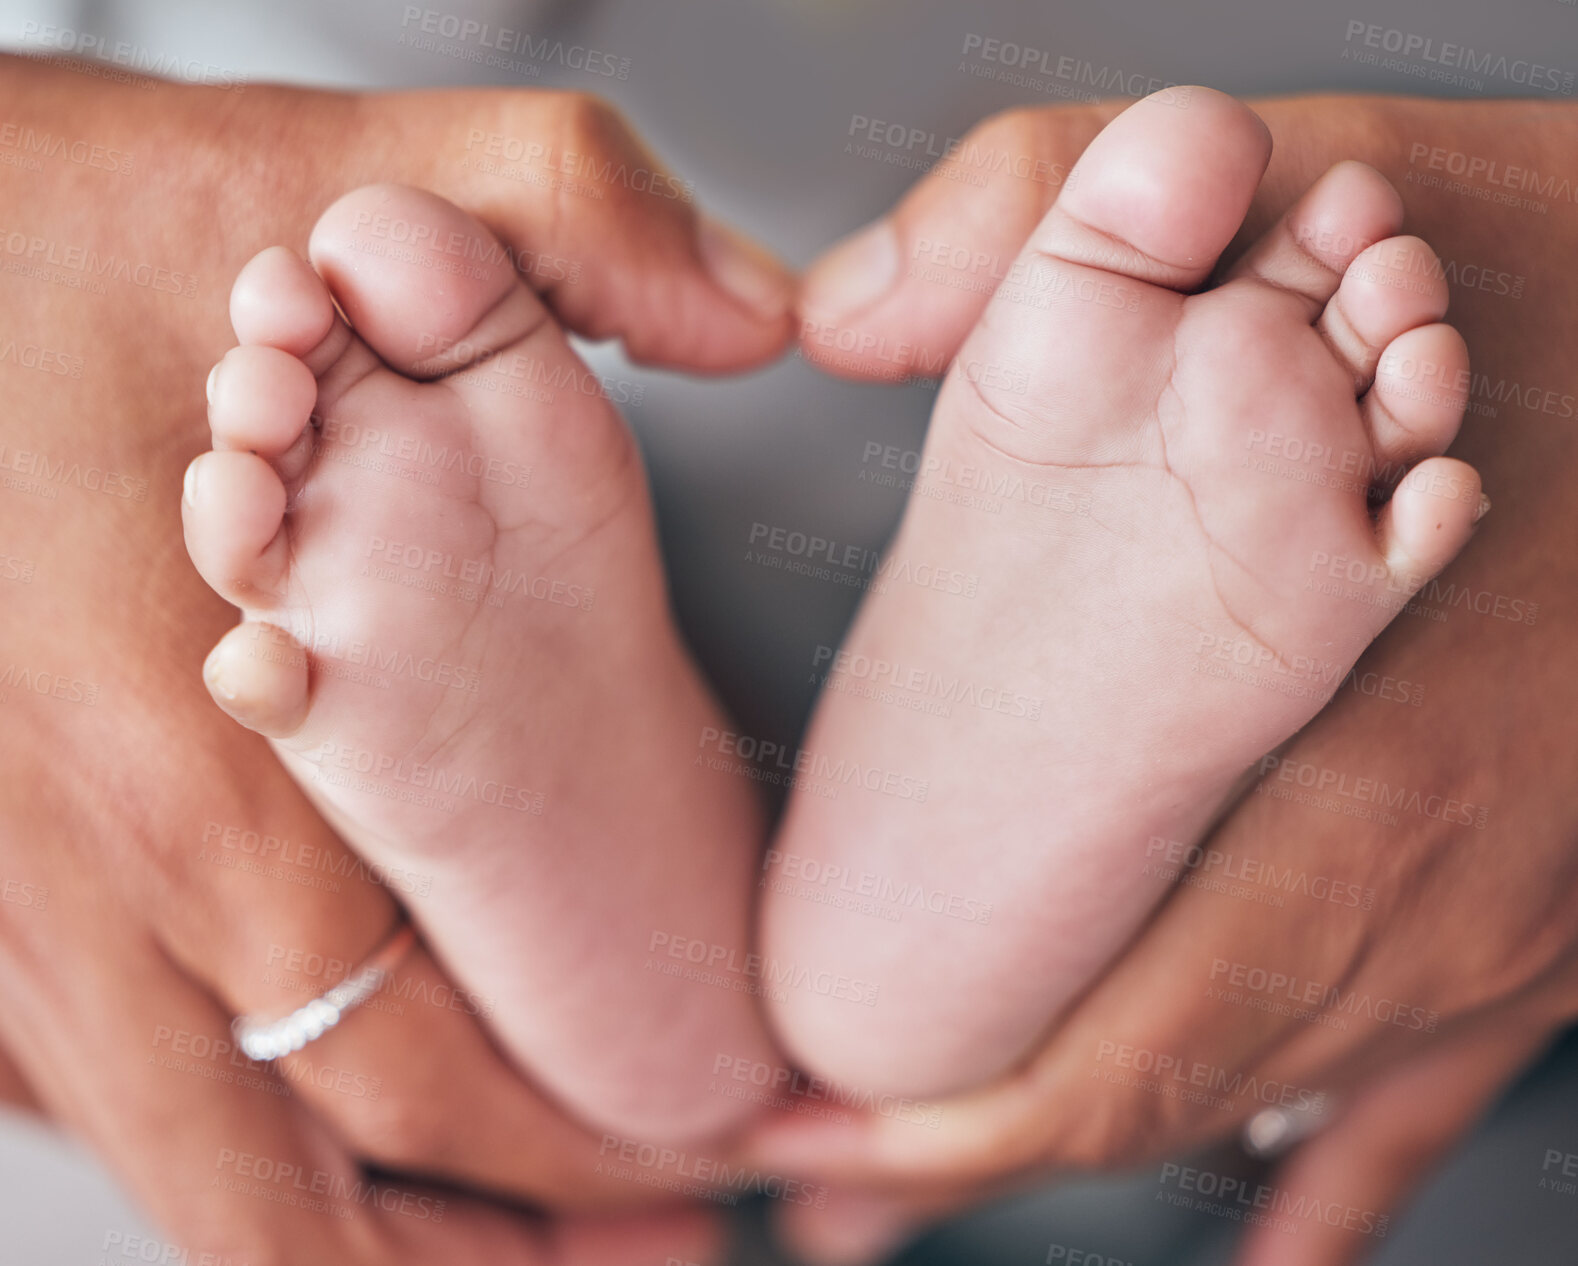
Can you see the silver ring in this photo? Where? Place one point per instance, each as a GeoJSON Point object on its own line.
{"type": "Point", "coordinates": [1274, 1132]}
{"type": "Point", "coordinates": [264, 1040]}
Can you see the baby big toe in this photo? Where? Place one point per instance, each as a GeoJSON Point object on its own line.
{"type": "Point", "coordinates": [1159, 194]}
{"type": "Point", "coordinates": [426, 285]}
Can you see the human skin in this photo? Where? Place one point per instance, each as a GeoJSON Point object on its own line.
{"type": "Point", "coordinates": [552, 913]}
{"type": "Point", "coordinates": [1138, 394]}
{"type": "Point", "coordinates": [1477, 925]}
{"type": "Point", "coordinates": [143, 402]}
{"type": "Point", "coordinates": [130, 811]}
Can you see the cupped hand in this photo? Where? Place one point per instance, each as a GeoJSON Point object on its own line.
{"type": "Point", "coordinates": [1385, 924]}
{"type": "Point", "coordinates": [162, 873]}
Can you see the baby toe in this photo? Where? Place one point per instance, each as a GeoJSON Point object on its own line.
{"type": "Point", "coordinates": [258, 674]}
{"type": "Point", "coordinates": [232, 510]}
{"type": "Point", "coordinates": [261, 400]}
{"type": "Point", "coordinates": [1430, 519]}
{"type": "Point", "coordinates": [1416, 404]}
{"type": "Point", "coordinates": [1390, 288]}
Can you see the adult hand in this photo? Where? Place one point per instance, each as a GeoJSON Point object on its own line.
{"type": "Point", "coordinates": [160, 872]}
{"type": "Point", "coordinates": [1388, 916]}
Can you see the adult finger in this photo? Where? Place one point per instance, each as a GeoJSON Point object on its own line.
{"type": "Point", "coordinates": [254, 896]}
{"type": "Point", "coordinates": [613, 241]}
{"type": "Point", "coordinates": [1391, 1131]}
{"type": "Point", "coordinates": [1390, 1135]}
{"type": "Point", "coordinates": [1278, 960]}
{"type": "Point", "coordinates": [896, 298]}
{"type": "Point", "coordinates": [1152, 1060]}
{"type": "Point", "coordinates": [856, 1228]}
{"type": "Point", "coordinates": [240, 1173]}
{"type": "Point", "coordinates": [14, 1092]}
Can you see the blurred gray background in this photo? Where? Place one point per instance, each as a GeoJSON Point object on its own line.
{"type": "Point", "coordinates": [752, 100]}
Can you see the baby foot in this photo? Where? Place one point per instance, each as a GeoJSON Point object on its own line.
{"type": "Point", "coordinates": [456, 634]}
{"type": "Point", "coordinates": [1178, 480]}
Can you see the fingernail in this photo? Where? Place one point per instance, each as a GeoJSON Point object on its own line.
{"type": "Point", "coordinates": [744, 269]}
{"type": "Point", "coordinates": [849, 1230]}
{"type": "Point", "coordinates": [1484, 507]}
{"type": "Point", "coordinates": [790, 1143]}
{"type": "Point", "coordinates": [189, 484]}
{"type": "Point", "coordinates": [855, 273]}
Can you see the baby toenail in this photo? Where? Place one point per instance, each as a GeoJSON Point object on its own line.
{"type": "Point", "coordinates": [217, 683]}
{"type": "Point", "coordinates": [213, 377]}
{"type": "Point", "coordinates": [189, 484]}
{"type": "Point", "coordinates": [1484, 508]}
